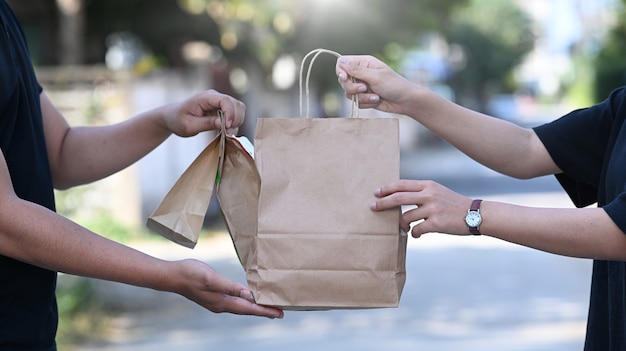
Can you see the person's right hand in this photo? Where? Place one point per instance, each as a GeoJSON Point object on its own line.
{"type": "Point", "coordinates": [199, 113]}
{"type": "Point", "coordinates": [201, 284]}
{"type": "Point", "coordinates": [377, 85]}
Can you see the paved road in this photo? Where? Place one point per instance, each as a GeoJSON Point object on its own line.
{"type": "Point", "coordinates": [469, 293]}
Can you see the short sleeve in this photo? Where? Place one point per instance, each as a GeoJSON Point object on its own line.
{"type": "Point", "coordinates": [579, 143]}
{"type": "Point", "coordinates": [616, 209]}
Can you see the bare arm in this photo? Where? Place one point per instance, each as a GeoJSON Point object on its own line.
{"type": "Point", "coordinates": [495, 143]}
{"type": "Point", "coordinates": [81, 155]}
{"type": "Point", "coordinates": [585, 233]}
{"type": "Point", "coordinates": [33, 234]}
{"type": "Point", "coordinates": [575, 232]}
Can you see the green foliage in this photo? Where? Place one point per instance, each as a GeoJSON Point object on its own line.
{"type": "Point", "coordinates": [104, 224]}
{"type": "Point", "coordinates": [495, 36]}
{"type": "Point", "coordinates": [81, 314]}
{"type": "Point", "coordinates": [610, 64]}
{"type": "Point", "coordinates": [580, 86]}
{"type": "Point", "coordinates": [72, 204]}
{"type": "Point", "coordinates": [260, 31]}
{"type": "Point", "coordinates": [69, 202]}
{"type": "Point", "coordinates": [349, 26]}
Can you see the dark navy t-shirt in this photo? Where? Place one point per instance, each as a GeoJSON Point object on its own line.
{"type": "Point", "coordinates": [28, 312]}
{"type": "Point", "coordinates": [589, 145]}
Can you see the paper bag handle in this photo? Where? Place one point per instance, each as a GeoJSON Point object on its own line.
{"type": "Point", "coordinates": [315, 53]}
{"type": "Point", "coordinates": [220, 162]}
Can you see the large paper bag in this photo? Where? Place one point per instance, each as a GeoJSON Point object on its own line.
{"type": "Point", "coordinates": [318, 244]}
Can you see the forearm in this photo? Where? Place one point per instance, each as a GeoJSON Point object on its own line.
{"type": "Point", "coordinates": [498, 144]}
{"type": "Point", "coordinates": [57, 244]}
{"type": "Point", "coordinates": [91, 153]}
{"type": "Point", "coordinates": [585, 233]}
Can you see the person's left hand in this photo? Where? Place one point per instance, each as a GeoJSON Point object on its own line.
{"type": "Point", "coordinates": [439, 209]}
{"type": "Point", "coordinates": [199, 113]}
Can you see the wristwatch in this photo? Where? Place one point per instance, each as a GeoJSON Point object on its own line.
{"type": "Point", "coordinates": [473, 217]}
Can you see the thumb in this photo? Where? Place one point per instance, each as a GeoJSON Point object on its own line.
{"type": "Point", "coordinates": [359, 66]}
{"type": "Point", "coordinates": [216, 282]}
{"type": "Point", "coordinates": [350, 65]}
{"type": "Point", "coordinates": [231, 288]}
{"type": "Point", "coordinates": [246, 294]}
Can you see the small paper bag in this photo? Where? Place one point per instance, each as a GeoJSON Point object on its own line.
{"type": "Point", "coordinates": [180, 215]}
{"type": "Point", "coordinates": [318, 244]}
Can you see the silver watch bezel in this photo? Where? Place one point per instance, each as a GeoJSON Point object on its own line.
{"type": "Point", "coordinates": [473, 219]}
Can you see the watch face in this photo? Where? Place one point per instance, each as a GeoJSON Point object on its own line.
{"type": "Point", "coordinates": [473, 219]}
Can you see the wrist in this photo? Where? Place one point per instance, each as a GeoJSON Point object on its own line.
{"type": "Point", "coordinates": [168, 276]}
{"type": "Point", "coordinates": [163, 117]}
{"type": "Point", "coordinates": [180, 276]}
{"type": "Point", "coordinates": [418, 102]}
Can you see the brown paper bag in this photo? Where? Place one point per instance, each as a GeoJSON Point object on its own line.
{"type": "Point", "coordinates": [238, 195]}
{"type": "Point", "coordinates": [228, 163]}
{"type": "Point", "coordinates": [318, 245]}
{"type": "Point", "coordinates": [180, 215]}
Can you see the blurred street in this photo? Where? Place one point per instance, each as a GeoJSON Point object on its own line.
{"type": "Point", "coordinates": [461, 293]}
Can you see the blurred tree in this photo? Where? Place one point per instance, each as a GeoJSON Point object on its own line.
{"type": "Point", "coordinates": [495, 36]}
{"type": "Point", "coordinates": [610, 64]}
{"type": "Point", "coordinates": [260, 31]}
{"type": "Point", "coordinates": [54, 28]}
{"type": "Point", "coordinates": [161, 25]}
{"type": "Point", "coordinates": [71, 31]}
{"type": "Point", "coordinates": [263, 30]}
{"type": "Point", "coordinates": [248, 32]}
{"type": "Point", "coordinates": [39, 22]}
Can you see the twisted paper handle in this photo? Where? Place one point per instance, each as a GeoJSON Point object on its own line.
{"type": "Point", "coordinates": [315, 53]}
{"type": "Point", "coordinates": [220, 166]}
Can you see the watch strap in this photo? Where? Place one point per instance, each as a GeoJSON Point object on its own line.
{"type": "Point", "coordinates": [475, 205]}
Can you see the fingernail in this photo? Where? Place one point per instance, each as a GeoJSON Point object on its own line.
{"type": "Point", "coordinates": [373, 206]}
{"type": "Point", "coordinates": [361, 89]}
{"type": "Point", "coordinates": [374, 98]}
{"type": "Point", "coordinates": [344, 60]}
{"type": "Point", "coordinates": [342, 76]}
{"type": "Point", "coordinates": [377, 192]}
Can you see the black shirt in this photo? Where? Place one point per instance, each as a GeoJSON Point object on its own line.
{"type": "Point", "coordinates": [28, 312]}
{"type": "Point", "coordinates": [589, 145]}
